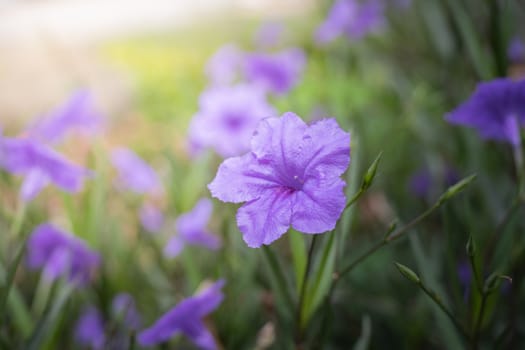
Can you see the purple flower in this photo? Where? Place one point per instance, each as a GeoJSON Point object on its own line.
{"type": "Point", "coordinates": [134, 174]}
{"type": "Point", "coordinates": [516, 51]}
{"type": "Point", "coordinates": [465, 277]}
{"type": "Point", "coordinates": [191, 229]}
{"type": "Point", "coordinates": [355, 19]}
{"type": "Point", "coordinates": [89, 330]}
{"type": "Point", "coordinates": [40, 165]}
{"type": "Point", "coordinates": [61, 254]}
{"type": "Point", "coordinates": [496, 110]}
{"type": "Point", "coordinates": [125, 309]}
{"type": "Point", "coordinates": [451, 176]}
{"type": "Point", "coordinates": [269, 34]}
{"type": "Point", "coordinates": [227, 118]}
{"type": "Point", "coordinates": [420, 182]}
{"type": "Point", "coordinates": [223, 67]}
{"type": "Point", "coordinates": [187, 318]}
{"type": "Point", "coordinates": [291, 177]}
{"type": "Point", "coordinates": [276, 72]}
{"type": "Point", "coordinates": [78, 113]}
{"type": "Point", "coordinates": [151, 217]}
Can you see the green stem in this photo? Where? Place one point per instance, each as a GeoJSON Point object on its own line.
{"type": "Point", "coordinates": [11, 270]}
{"type": "Point", "coordinates": [432, 295]}
{"type": "Point", "coordinates": [498, 232]}
{"type": "Point", "coordinates": [397, 234]}
{"type": "Point", "coordinates": [278, 274]}
{"type": "Point", "coordinates": [354, 198]}
{"type": "Point", "coordinates": [475, 272]}
{"type": "Point", "coordinates": [388, 237]}
{"type": "Point", "coordinates": [16, 224]}
{"type": "Point", "coordinates": [477, 327]}
{"type": "Point", "coordinates": [299, 320]}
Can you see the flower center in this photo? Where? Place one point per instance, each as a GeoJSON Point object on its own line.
{"type": "Point", "coordinates": [295, 183]}
{"type": "Point", "coordinates": [234, 121]}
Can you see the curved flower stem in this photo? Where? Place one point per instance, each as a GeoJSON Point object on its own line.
{"type": "Point", "coordinates": [354, 199]}
{"type": "Point", "coordinates": [507, 218]}
{"type": "Point", "coordinates": [477, 327]}
{"type": "Point", "coordinates": [388, 237]}
{"type": "Point", "coordinates": [432, 295]}
{"type": "Point", "coordinates": [11, 270]}
{"type": "Point", "coordinates": [278, 274]}
{"type": "Point", "coordinates": [520, 169]}
{"type": "Point", "coordinates": [475, 272]}
{"type": "Point", "coordinates": [399, 233]}
{"type": "Point", "coordinates": [299, 313]}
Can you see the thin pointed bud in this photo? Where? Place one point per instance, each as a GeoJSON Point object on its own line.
{"type": "Point", "coordinates": [391, 229]}
{"type": "Point", "coordinates": [408, 273]}
{"type": "Point", "coordinates": [371, 173]}
{"type": "Point", "coordinates": [457, 188]}
{"type": "Point", "coordinates": [471, 247]}
{"type": "Point", "coordinates": [493, 282]}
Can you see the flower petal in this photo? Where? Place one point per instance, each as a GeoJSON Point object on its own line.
{"type": "Point", "coordinates": [174, 247]}
{"type": "Point", "coordinates": [200, 335]}
{"type": "Point", "coordinates": [329, 147]}
{"type": "Point", "coordinates": [242, 179]}
{"type": "Point", "coordinates": [267, 218]}
{"type": "Point", "coordinates": [278, 138]}
{"type": "Point", "coordinates": [318, 206]}
{"type": "Point", "coordinates": [33, 183]}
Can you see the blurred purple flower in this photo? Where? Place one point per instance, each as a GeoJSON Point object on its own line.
{"type": "Point", "coordinates": [78, 113]}
{"type": "Point", "coordinates": [89, 330]}
{"type": "Point", "coordinates": [227, 118]}
{"type": "Point", "coordinates": [465, 277]}
{"type": "Point", "coordinates": [496, 110]}
{"type": "Point", "coordinates": [420, 182]}
{"type": "Point", "coordinates": [355, 19]}
{"type": "Point", "coordinates": [186, 318]}
{"type": "Point", "coordinates": [452, 176]}
{"type": "Point", "coordinates": [275, 72]}
{"type": "Point", "coordinates": [61, 255]}
{"type": "Point", "coordinates": [269, 35]}
{"type": "Point", "coordinates": [291, 177]}
{"type": "Point", "coordinates": [174, 247]}
{"type": "Point", "coordinates": [134, 174]}
{"type": "Point", "coordinates": [516, 51]}
{"type": "Point", "coordinates": [191, 229]}
{"type": "Point", "coordinates": [223, 68]}
{"type": "Point", "coordinates": [151, 217]}
{"type": "Point", "coordinates": [40, 165]}
{"type": "Point", "coordinates": [125, 309]}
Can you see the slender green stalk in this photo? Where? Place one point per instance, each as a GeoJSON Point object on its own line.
{"type": "Point", "coordinates": [299, 315]}
{"type": "Point", "coordinates": [11, 270]}
{"type": "Point", "coordinates": [132, 341]}
{"type": "Point", "coordinates": [390, 235]}
{"type": "Point", "coordinates": [479, 320]}
{"type": "Point", "coordinates": [432, 295]}
{"type": "Point", "coordinates": [475, 272]}
{"type": "Point", "coordinates": [498, 232]}
{"type": "Point", "coordinates": [278, 274]}
{"type": "Point", "coordinates": [16, 224]}
{"type": "Point", "coordinates": [354, 198]}
{"type": "Point", "coordinates": [397, 234]}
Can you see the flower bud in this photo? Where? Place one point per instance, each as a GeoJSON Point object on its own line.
{"type": "Point", "coordinates": [408, 273]}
